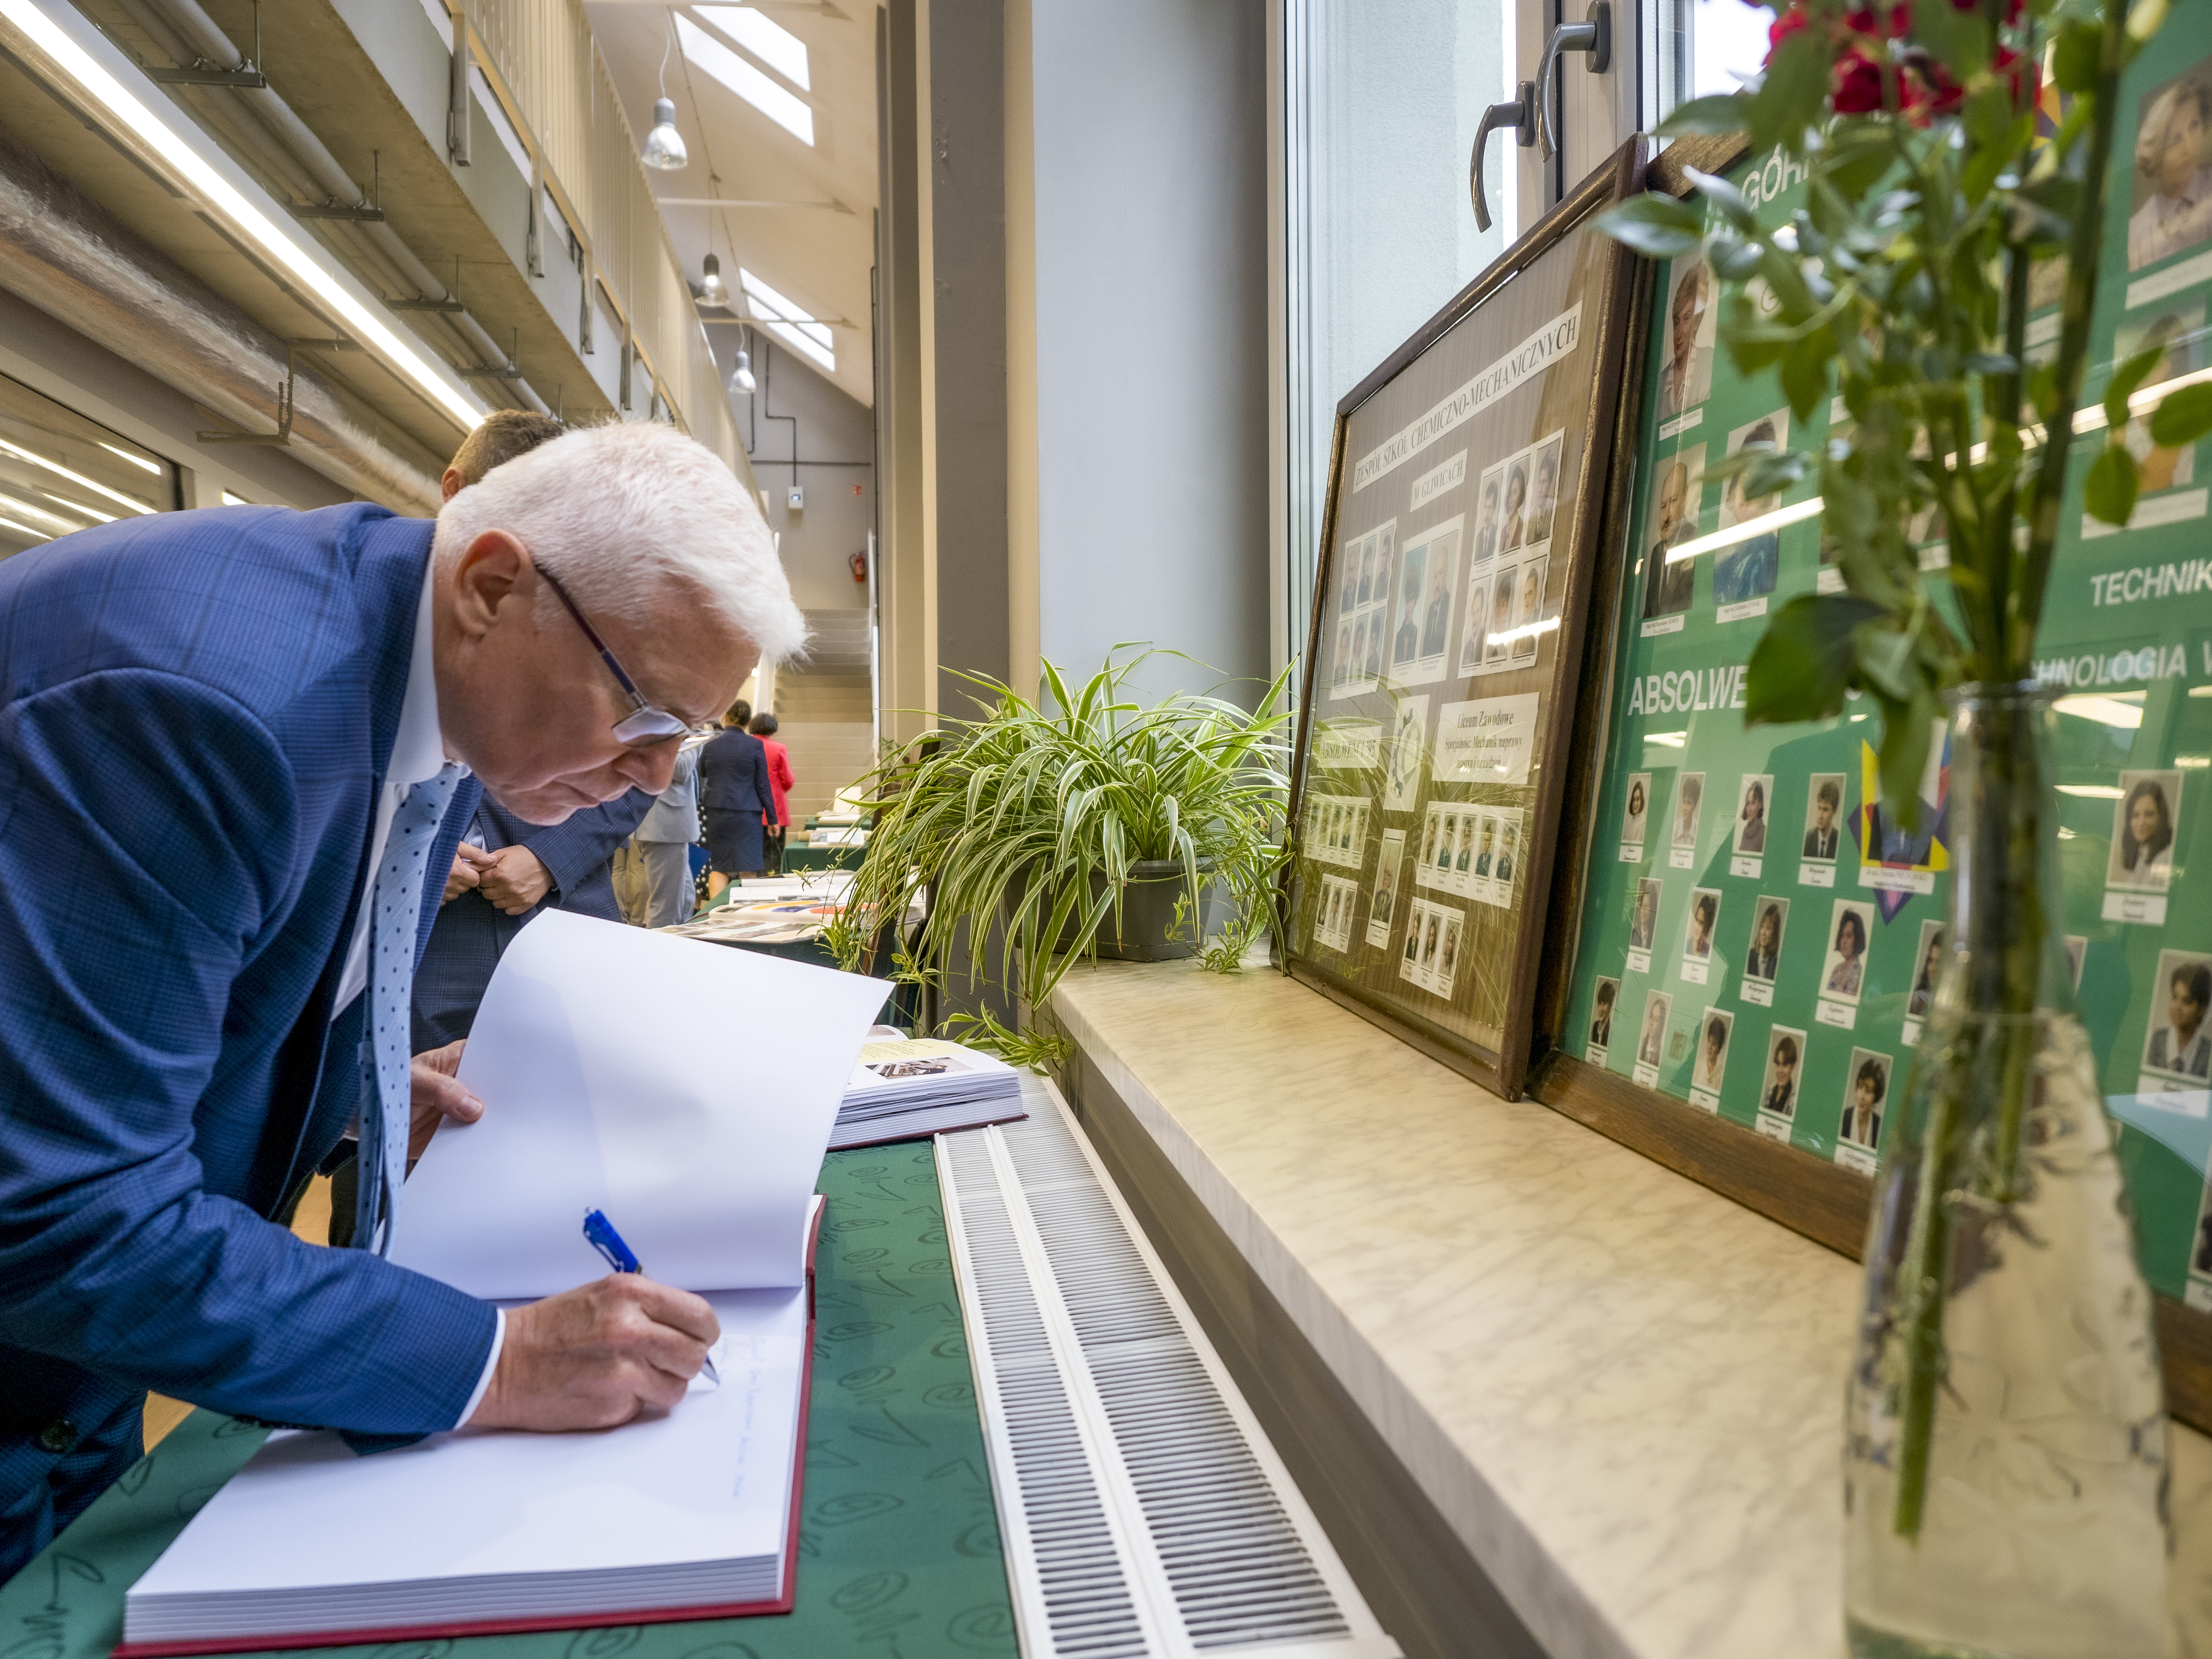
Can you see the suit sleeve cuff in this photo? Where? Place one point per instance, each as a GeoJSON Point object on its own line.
{"type": "Point", "coordinates": [490, 1364]}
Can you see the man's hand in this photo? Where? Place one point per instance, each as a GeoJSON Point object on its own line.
{"type": "Point", "coordinates": [597, 1356]}
{"type": "Point", "coordinates": [434, 1094]}
{"type": "Point", "coordinates": [514, 880]}
{"type": "Point", "coordinates": [467, 871]}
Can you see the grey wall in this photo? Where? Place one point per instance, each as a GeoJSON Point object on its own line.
{"type": "Point", "coordinates": [1150, 121]}
{"type": "Point", "coordinates": [835, 437]}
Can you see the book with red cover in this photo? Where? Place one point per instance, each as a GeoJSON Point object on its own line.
{"type": "Point", "coordinates": [594, 1100]}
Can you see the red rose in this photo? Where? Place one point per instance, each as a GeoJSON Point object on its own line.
{"type": "Point", "coordinates": [1783, 28]}
{"type": "Point", "coordinates": [1856, 89]}
{"type": "Point", "coordinates": [1867, 22]}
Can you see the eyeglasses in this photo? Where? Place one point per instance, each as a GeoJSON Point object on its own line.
{"type": "Point", "coordinates": [645, 724]}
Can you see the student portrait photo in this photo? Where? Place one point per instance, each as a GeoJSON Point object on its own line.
{"type": "Point", "coordinates": [1637, 813]}
{"type": "Point", "coordinates": [1748, 569]}
{"type": "Point", "coordinates": [1928, 962]}
{"type": "Point", "coordinates": [1366, 570]}
{"type": "Point", "coordinates": [1516, 508]}
{"type": "Point", "coordinates": [1689, 798]}
{"type": "Point", "coordinates": [2172, 204]}
{"type": "Point", "coordinates": [1712, 1050]}
{"type": "Point", "coordinates": [1765, 955]}
{"type": "Point", "coordinates": [1448, 957]}
{"type": "Point", "coordinates": [1866, 1087]}
{"type": "Point", "coordinates": [1501, 615]}
{"type": "Point", "coordinates": [1477, 631]}
{"type": "Point", "coordinates": [2176, 333]}
{"type": "Point", "coordinates": [1777, 1090]}
{"type": "Point", "coordinates": [1655, 1007]}
{"type": "Point", "coordinates": [1488, 851]}
{"type": "Point", "coordinates": [1436, 612]}
{"type": "Point", "coordinates": [2144, 825]}
{"type": "Point", "coordinates": [1698, 929]}
{"type": "Point", "coordinates": [1430, 826]}
{"type": "Point", "coordinates": [2178, 1045]}
{"type": "Point", "coordinates": [1502, 871]}
{"type": "Point", "coordinates": [1824, 813]}
{"type": "Point", "coordinates": [1843, 974]}
{"type": "Point", "coordinates": [1644, 923]}
{"type": "Point", "coordinates": [1532, 606]}
{"type": "Point", "coordinates": [1407, 644]}
{"type": "Point", "coordinates": [1429, 940]}
{"type": "Point", "coordinates": [1544, 495]}
{"type": "Point", "coordinates": [1668, 586]}
{"type": "Point", "coordinates": [1750, 813]}
{"type": "Point", "coordinates": [1686, 377]}
{"type": "Point", "coordinates": [1386, 890]}
{"type": "Point", "coordinates": [1768, 432]}
{"type": "Point", "coordinates": [1466, 844]}
{"type": "Point", "coordinates": [1486, 518]}
{"type": "Point", "coordinates": [1601, 1004]}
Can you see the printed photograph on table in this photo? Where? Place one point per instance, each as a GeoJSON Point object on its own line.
{"type": "Point", "coordinates": [2123, 652]}
{"type": "Point", "coordinates": [1468, 469]}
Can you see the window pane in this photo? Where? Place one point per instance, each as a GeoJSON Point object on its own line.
{"type": "Point", "coordinates": [1707, 46]}
{"type": "Point", "coordinates": [1381, 101]}
{"type": "Point", "coordinates": [59, 472]}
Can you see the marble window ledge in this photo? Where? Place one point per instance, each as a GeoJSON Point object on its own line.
{"type": "Point", "coordinates": [1623, 1391]}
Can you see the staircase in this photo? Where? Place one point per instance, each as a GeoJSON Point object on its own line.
{"type": "Point", "coordinates": [825, 710]}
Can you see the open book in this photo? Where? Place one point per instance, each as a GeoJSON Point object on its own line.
{"type": "Point", "coordinates": [687, 1091]}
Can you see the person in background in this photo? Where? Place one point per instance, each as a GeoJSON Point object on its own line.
{"type": "Point", "coordinates": [661, 847]}
{"type": "Point", "coordinates": [735, 790]}
{"type": "Point", "coordinates": [777, 824]}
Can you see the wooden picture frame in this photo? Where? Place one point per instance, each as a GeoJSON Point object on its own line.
{"type": "Point", "coordinates": [1461, 355]}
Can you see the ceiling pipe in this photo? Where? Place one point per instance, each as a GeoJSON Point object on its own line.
{"type": "Point", "coordinates": [305, 163]}
{"type": "Point", "coordinates": [63, 254]}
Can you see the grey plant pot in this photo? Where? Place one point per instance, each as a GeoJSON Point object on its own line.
{"type": "Point", "coordinates": [1148, 908]}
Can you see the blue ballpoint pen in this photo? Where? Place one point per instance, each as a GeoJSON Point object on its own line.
{"type": "Point", "coordinates": [600, 1234]}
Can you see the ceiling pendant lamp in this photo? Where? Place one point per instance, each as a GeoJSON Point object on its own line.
{"type": "Point", "coordinates": [741, 380]}
{"type": "Point", "coordinates": [712, 289]}
{"type": "Point", "coordinates": [664, 145]}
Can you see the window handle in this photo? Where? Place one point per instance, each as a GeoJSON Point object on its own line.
{"type": "Point", "coordinates": [1519, 117]}
{"type": "Point", "coordinates": [1593, 37]}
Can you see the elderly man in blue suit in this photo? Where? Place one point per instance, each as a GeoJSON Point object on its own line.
{"type": "Point", "coordinates": [249, 721]}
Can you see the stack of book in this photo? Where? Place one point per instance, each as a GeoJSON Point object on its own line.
{"type": "Point", "coordinates": [903, 1089]}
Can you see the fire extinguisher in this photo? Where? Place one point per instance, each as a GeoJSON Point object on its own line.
{"type": "Point", "coordinates": [859, 567]}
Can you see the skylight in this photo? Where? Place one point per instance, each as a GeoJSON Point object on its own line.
{"type": "Point", "coordinates": [787, 321]}
{"type": "Point", "coordinates": [766, 38]}
{"type": "Point", "coordinates": [784, 107]}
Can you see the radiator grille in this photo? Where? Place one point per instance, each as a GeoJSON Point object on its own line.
{"type": "Point", "coordinates": [1144, 1512]}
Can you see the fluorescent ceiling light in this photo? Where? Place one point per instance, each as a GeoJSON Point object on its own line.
{"type": "Point", "coordinates": [38, 512]}
{"type": "Point", "coordinates": [213, 190]}
{"type": "Point", "coordinates": [1746, 531]}
{"type": "Point", "coordinates": [781, 105]}
{"type": "Point", "coordinates": [229, 500]}
{"type": "Point", "coordinates": [2092, 791]}
{"type": "Point", "coordinates": [36, 535]}
{"type": "Point", "coordinates": [76, 478]}
{"type": "Point", "coordinates": [79, 507]}
{"type": "Point", "coordinates": [766, 38]}
{"type": "Point", "coordinates": [787, 321]}
{"type": "Point", "coordinates": [154, 467]}
{"type": "Point", "coordinates": [2120, 710]}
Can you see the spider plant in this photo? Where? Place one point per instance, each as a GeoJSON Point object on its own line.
{"type": "Point", "coordinates": [1026, 826]}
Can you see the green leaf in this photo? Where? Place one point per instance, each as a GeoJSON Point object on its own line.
{"type": "Point", "coordinates": [1734, 260]}
{"type": "Point", "coordinates": [1727, 200]}
{"type": "Point", "coordinates": [1805, 372]}
{"type": "Point", "coordinates": [2043, 390]}
{"type": "Point", "coordinates": [1989, 362]}
{"type": "Point", "coordinates": [1657, 226]}
{"type": "Point", "coordinates": [1790, 99]}
{"type": "Point", "coordinates": [1803, 662]}
{"type": "Point", "coordinates": [1721, 113]}
{"type": "Point", "coordinates": [1958, 37]}
{"type": "Point", "coordinates": [2126, 379]}
{"type": "Point", "coordinates": [2114, 481]}
{"type": "Point", "coordinates": [2184, 417]}
{"type": "Point", "coordinates": [2077, 51]}
{"type": "Point", "coordinates": [1885, 657]}
{"type": "Point", "coordinates": [1769, 470]}
{"type": "Point", "coordinates": [1908, 729]}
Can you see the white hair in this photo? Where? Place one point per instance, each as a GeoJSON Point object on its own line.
{"type": "Point", "coordinates": [635, 519]}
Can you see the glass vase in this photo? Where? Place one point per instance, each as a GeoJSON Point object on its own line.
{"type": "Point", "coordinates": [2005, 1451]}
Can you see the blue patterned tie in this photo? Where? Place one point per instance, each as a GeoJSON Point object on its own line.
{"type": "Point", "coordinates": [387, 1038]}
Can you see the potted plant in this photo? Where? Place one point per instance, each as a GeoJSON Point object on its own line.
{"type": "Point", "coordinates": [2005, 1450]}
{"type": "Point", "coordinates": [1079, 825]}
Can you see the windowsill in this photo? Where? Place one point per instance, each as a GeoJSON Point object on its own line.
{"type": "Point", "coordinates": [1622, 1391]}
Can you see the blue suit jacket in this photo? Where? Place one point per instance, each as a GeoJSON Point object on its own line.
{"type": "Point", "coordinates": [733, 774]}
{"type": "Point", "coordinates": [195, 711]}
{"type": "Point", "coordinates": [471, 932]}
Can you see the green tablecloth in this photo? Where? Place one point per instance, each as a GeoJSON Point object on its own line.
{"type": "Point", "coordinates": [899, 1553]}
{"type": "Point", "coordinates": [823, 857]}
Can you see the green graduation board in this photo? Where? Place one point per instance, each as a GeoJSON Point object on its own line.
{"type": "Point", "coordinates": [1755, 934]}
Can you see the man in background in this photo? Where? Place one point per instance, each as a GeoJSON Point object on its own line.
{"type": "Point", "coordinates": [660, 850]}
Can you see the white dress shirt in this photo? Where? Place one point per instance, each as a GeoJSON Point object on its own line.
{"type": "Point", "coordinates": [418, 753]}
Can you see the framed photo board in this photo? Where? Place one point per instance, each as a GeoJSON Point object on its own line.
{"type": "Point", "coordinates": [1468, 499]}
{"type": "Point", "coordinates": [1740, 939]}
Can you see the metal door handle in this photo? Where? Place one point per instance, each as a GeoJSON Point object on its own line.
{"type": "Point", "coordinates": [1520, 117]}
{"type": "Point", "coordinates": [1593, 37]}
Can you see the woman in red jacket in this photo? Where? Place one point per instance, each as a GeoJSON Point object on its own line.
{"type": "Point", "coordinates": [780, 780]}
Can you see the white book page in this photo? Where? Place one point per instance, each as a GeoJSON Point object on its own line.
{"type": "Point", "coordinates": [686, 1090]}
{"type": "Point", "coordinates": [709, 1480]}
